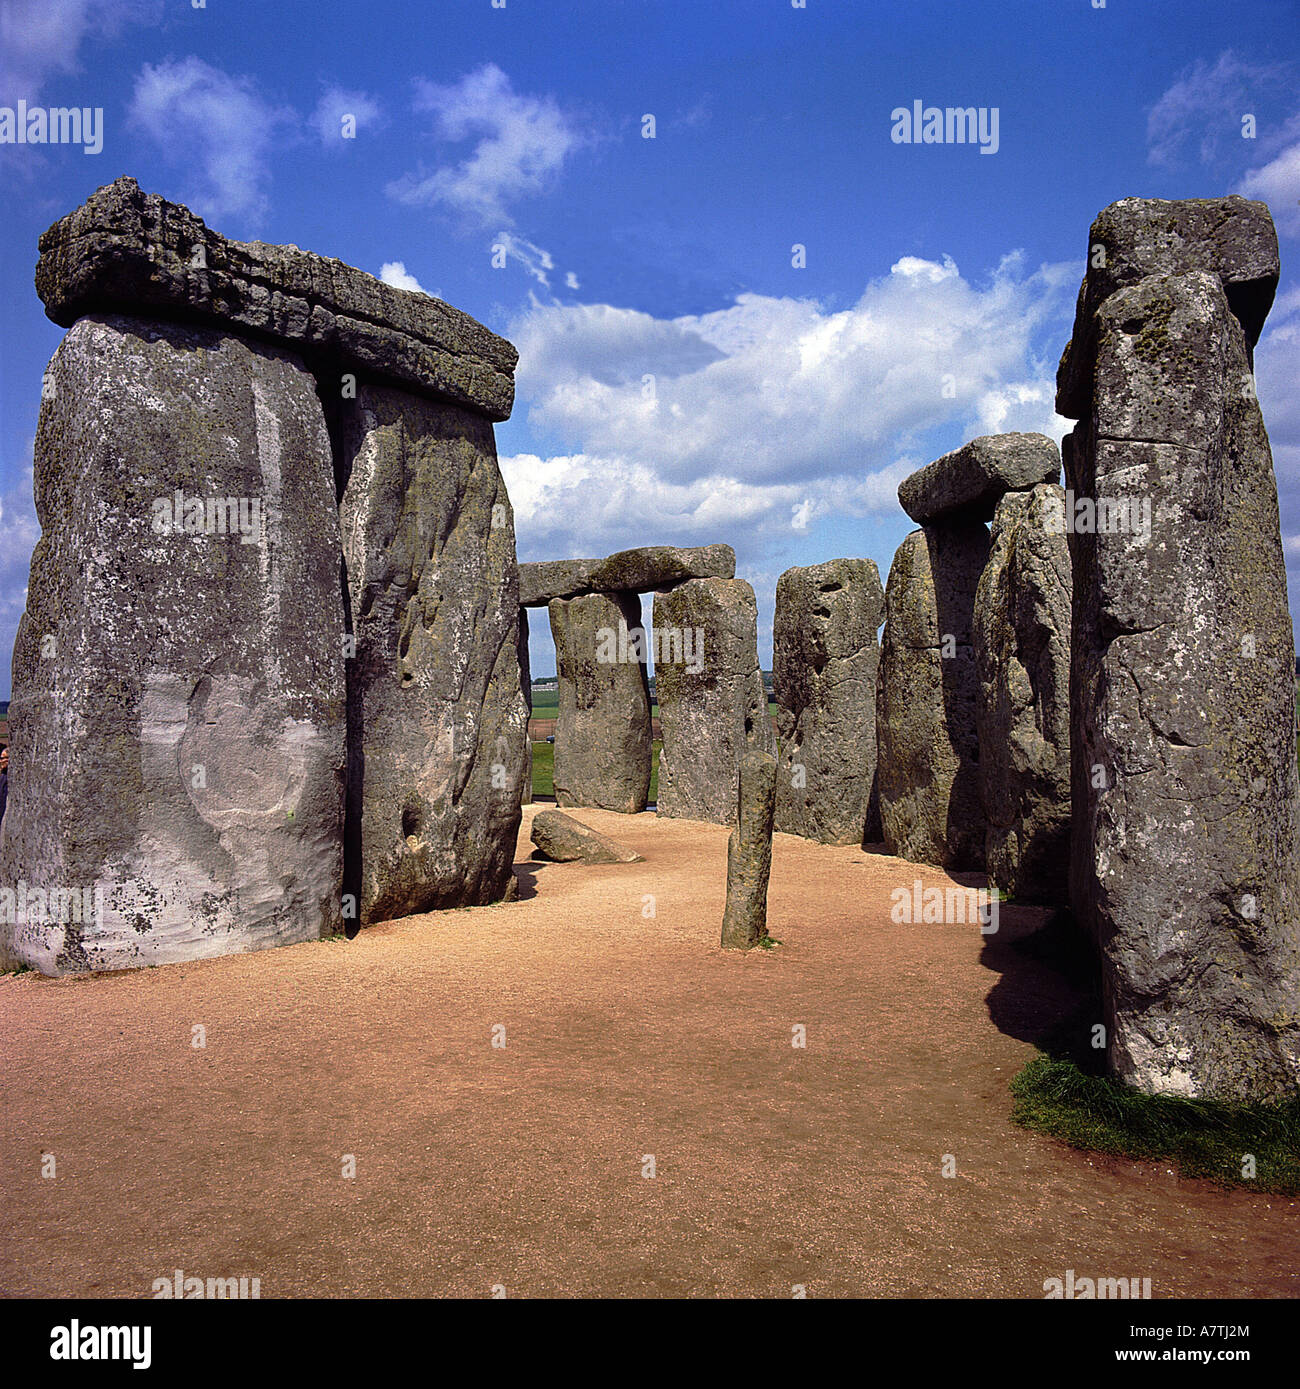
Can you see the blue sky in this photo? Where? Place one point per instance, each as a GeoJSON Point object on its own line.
{"type": "Point", "coordinates": [787, 401]}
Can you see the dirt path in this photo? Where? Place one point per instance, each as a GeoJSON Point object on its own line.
{"type": "Point", "coordinates": [625, 1036]}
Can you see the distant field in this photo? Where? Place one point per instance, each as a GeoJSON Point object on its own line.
{"type": "Point", "coordinates": [544, 770]}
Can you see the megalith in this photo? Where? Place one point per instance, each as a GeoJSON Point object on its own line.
{"type": "Point", "coordinates": [236, 720]}
{"type": "Point", "coordinates": [928, 755]}
{"type": "Point", "coordinates": [602, 733]}
{"type": "Point", "coordinates": [526, 689]}
{"type": "Point", "coordinates": [1022, 657]}
{"type": "Point", "coordinates": [825, 662]}
{"type": "Point", "coordinates": [749, 853]}
{"type": "Point", "coordinates": [712, 704]}
{"type": "Point", "coordinates": [1183, 740]}
{"type": "Point", "coordinates": [178, 714]}
{"type": "Point", "coordinates": [439, 721]}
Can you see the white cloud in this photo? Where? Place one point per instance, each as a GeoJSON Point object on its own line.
{"type": "Point", "coordinates": [21, 530]}
{"type": "Point", "coordinates": [774, 411]}
{"type": "Point", "coordinates": [335, 105]}
{"type": "Point", "coordinates": [40, 39]}
{"type": "Point", "coordinates": [571, 280]}
{"type": "Point", "coordinates": [536, 260]}
{"type": "Point", "coordinates": [216, 126]}
{"type": "Point", "coordinates": [394, 272]}
{"type": "Point", "coordinates": [1206, 104]}
{"type": "Point", "coordinates": [522, 145]}
{"type": "Point", "coordinates": [1278, 184]}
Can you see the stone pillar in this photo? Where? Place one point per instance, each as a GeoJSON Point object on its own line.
{"type": "Point", "coordinates": [178, 715]}
{"type": "Point", "coordinates": [712, 705]}
{"type": "Point", "coordinates": [441, 722]}
{"type": "Point", "coordinates": [1022, 655]}
{"type": "Point", "coordinates": [526, 689]}
{"type": "Point", "coordinates": [927, 743]}
{"type": "Point", "coordinates": [749, 853]}
{"type": "Point", "coordinates": [825, 661]}
{"type": "Point", "coordinates": [602, 733]}
{"type": "Point", "coordinates": [1183, 690]}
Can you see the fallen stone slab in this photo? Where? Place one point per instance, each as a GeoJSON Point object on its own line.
{"type": "Point", "coordinates": [967, 483]}
{"type": "Point", "coordinates": [645, 570]}
{"type": "Point", "coordinates": [131, 252]}
{"type": "Point", "coordinates": [825, 663]}
{"type": "Point", "coordinates": [1231, 238]}
{"type": "Point", "coordinates": [562, 839]}
{"type": "Point", "coordinates": [749, 854]}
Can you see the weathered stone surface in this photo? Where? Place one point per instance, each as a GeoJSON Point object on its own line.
{"type": "Point", "coordinates": [602, 733]}
{"type": "Point", "coordinates": [526, 689]}
{"type": "Point", "coordinates": [562, 839]}
{"type": "Point", "coordinates": [712, 705]}
{"type": "Point", "coordinates": [966, 484]}
{"type": "Point", "coordinates": [131, 252]}
{"type": "Point", "coordinates": [1230, 238]}
{"type": "Point", "coordinates": [1022, 655]}
{"type": "Point", "coordinates": [633, 571]}
{"type": "Point", "coordinates": [1183, 740]}
{"type": "Point", "coordinates": [178, 714]}
{"type": "Point", "coordinates": [438, 723]}
{"type": "Point", "coordinates": [749, 853]}
{"type": "Point", "coordinates": [825, 661]}
{"type": "Point", "coordinates": [927, 741]}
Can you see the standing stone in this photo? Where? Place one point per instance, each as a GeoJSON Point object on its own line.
{"type": "Point", "coordinates": [928, 743]}
{"type": "Point", "coordinates": [749, 854]}
{"type": "Point", "coordinates": [438, 723]}
{"type": "Point", "coordinates": [526, 689]}
{"type": "Point", "coordinates": [1184, 757]}
{"type": "Point", "coordinates": [1022, 655]}
{"type": "Point", "coordinates": [967, 483]}
{"type": "Point", "coordinates": [602, 732]}
{"type": "Point", "coordinates": [712, 704]}
{"type": "Point", "coordinates": [178, 714]}
{"type": "Point", "coordinates": [825, 661]}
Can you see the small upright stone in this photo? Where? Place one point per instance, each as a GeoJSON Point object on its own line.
{"type": "Point", "coordinates": [928, 766]}
{"type": "Point", "coordinates": [1022, 655]}
{"type": "Point", "coordinates": [712, 704]}
{"type": "Point", "coordinates": [825, 662]}
{"type": "Point", "coordinates": [965, 485]}
{"type": "Point", "coordinates": [749, 854]}
{"type": "Point", "coordinates": [603, 745]}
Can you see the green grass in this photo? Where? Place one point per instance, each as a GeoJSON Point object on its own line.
{"type": "Point", "coordinates": [544, 770]}
{"type": "Point", "coordinates": [1204, 1138]}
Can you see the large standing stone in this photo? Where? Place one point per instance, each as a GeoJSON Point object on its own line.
{"type": "Point", "coordinates": [927, 741]}
{"type": "Point", "coordinates": [526, 689]}
{"type": "Point", "coordinates": [712, 704]}
{"type": "Point", "coordinates": [1022, 655]}
{"type": "Point", "coordinates": [966, 483]}
{"type": "Point", "coordinates": [1184, 761]}
{"type": "Point", "coordinates": [749, 853]}
{"type": "Point", "coordinates": [178, 714]}
{"type": "Point", "coordinates": [824, 668]}
{"type": "Point", "coordinates": [438, 722]}
{"type": "Point", "coordinates": [602, 733]}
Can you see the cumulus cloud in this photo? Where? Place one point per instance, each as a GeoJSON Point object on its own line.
{"type": "Point", "coordinates": [1278, 181]}
{"type": "Point", "coordinates": [773, 411]}
{"type": "Point", "coordinates": [333, 109]}
{"type": "Point", "coordinates": [1277, 368]}
{"type": "Point", "coordinates": [218, 127]}
{"type": "Point", "coordinates": [394, 272]}
{"type": "Point", "coordinates": [521, 146]}
{"type": "Point", "coordinates": [40, 39]}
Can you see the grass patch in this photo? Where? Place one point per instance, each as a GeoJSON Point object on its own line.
{"type": "Point", "coordinates": [544, 770]}
{"type": "Point", "coordinates": [1204, 1138]}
